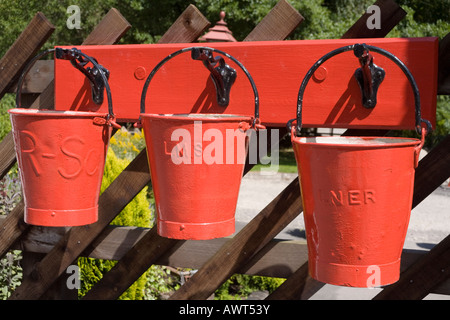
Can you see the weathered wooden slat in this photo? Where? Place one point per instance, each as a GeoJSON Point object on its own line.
{"type": "Point", "coordinates": [187, 27]}
{"type": "Point", "coordinates": [7, 154]}
{"type": "Point", "coordinates": [12, 228]}
{"type": "Point", "coordinates": [23, 49]}
{"type": "Point", "coordinates": [147, 257]}
{"type": "Point", "coordinates": [420, 278]}
{"type": "Point", "coordinates": [279, 258]}
{"type": "Point", "coordinates": [390, 15]}
{"type": "Point", "coordinates": [432, 171]}
{"type": "Point", "coordinates": [131, 266]}
{"type": "Point", "coordinates": [110, 29]}
{"type": "Point", "coordinates": [292, 288]}
{"type": "Point", "coordinates": [444, 66]}
{"type": "Point", "coordinates": [38, 78]}
{"type": "Point", "coordinates": [279, 23]}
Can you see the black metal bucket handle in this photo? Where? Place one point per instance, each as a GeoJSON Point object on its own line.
{"type": "Point", "coordinates": [72, 55]}
{"type": "Point", "coordinates": [358, 50]}
{"type": "Point", "coordinates": [196, 51]}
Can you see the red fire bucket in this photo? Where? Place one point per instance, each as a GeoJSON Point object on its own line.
{"type": "Point", "coordinates": [196, 181]}
{"type": "Point", "coordinates": [357, 196]}
{"type": "Point", "coordinates": [61, 157]}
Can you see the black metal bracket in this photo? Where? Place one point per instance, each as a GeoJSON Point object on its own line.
{"type": "Point", "coordinates": [222, 75]}
{"type": "Point", "coordinates": [93, 74]}
{"type": "Point", "coordinates": [369, 76]}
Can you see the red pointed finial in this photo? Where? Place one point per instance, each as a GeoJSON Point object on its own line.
{"type": "Point", "coordinates": [220, 32]}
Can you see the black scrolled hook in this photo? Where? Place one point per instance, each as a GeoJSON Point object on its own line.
{"type": "Point", "coordinates": [74, 55]}
{"type": "Point", "coordinates": [358, 49]}
{"type": "Point", "coordinates": [222, 75]}
{"type": "Point", "coordinates": [71, 55]}
{"type": "Point", "coordinates": [198, 51]}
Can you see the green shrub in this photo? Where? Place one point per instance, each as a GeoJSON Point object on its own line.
{"type": "Point", "coordinates": [10, 273]}
{"type": "Point", "coordinates": [6, 103]}
{"type": "Point", "coordinates": [239, 286]}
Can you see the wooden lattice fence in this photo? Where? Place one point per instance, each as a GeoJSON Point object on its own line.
{"type": "Point", "coordinates": [253, 250]}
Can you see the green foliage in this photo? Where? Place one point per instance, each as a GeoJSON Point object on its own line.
{"type": "Point", "coordinates": [10, 191]}
{"type": "Point", "coordinates": [6, 103]}
{"type": "Point", "coordinates": [239, 286]}
{"type": "Point", "coordinates": [10, 273]}
{"type": "Point", "coordinates": [127, 143]}
{"type": "Point", "coordinates": [161, 282]}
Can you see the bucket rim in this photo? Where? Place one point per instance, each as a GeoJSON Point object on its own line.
{"type": "Point", "coordinates": [55, 113]}
{"type": "Point", "coordinates": [358, 142]}
{"type": "Point", "coordinates": [198, 116]}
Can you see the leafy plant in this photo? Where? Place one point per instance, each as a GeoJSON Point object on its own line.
{"type": "Point", "coordinates": [10, 191]}
{"type": "Point", "coordinates": [10, 269]}
{"type": "Point", "coordinates": [5, 124]}
{"type": "Point", "coordinates": [239, 286]}
{"type": "Point", "coordinates": [10, 273]}
{"type": "Point", "coordinates": [161, 282]}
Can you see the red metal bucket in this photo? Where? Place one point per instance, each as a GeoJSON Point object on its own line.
{"type": "Point", "coordinates": [196, 164]}
{"type": "Point", "coordinates": [195, 186]}
{"type": "Point", "coordinates": [357, 195]}
{"type": "Point", "coordinates": [61, 157]}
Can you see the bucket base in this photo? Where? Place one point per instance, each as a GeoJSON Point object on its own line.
{"type": "Point", "coordinates": [61, 218]}
{"type": "Point", "coordinates": [362, 276]}
{"type": "Point", "coordinates": [196, 231]}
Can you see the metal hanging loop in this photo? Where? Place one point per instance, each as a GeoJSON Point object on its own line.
{"type": "Point", "coordinates": [358, 48]}
{"type": "Point", "coordinates": [221, 83]}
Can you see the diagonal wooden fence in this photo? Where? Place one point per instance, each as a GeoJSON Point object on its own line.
{"type": "Point", "coordinates": [49, 251]}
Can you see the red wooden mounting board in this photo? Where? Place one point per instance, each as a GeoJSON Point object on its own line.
{"type": "Point", "coordinates": [183, 85]}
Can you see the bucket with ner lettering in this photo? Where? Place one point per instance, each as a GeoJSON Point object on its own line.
{"type": "Point", "coordinates": [357, 195]}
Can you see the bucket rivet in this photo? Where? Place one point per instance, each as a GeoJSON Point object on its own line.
{"type": "Point", "coordinates": [182, 227]}
{"type": "Point", "coordinates": [140, 73]}
{"type": "Point", "coordinates": [320, 74]}
{"type": "Point", "coordinates": [53, 213]}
